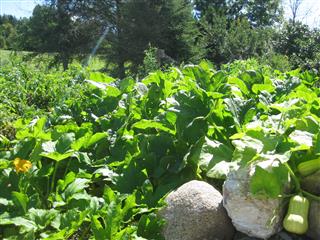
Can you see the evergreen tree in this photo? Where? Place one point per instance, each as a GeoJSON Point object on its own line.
{"type": "Point", "coordinates": [52, 29]}
{"type": "Point", "coordinates": [130, 26]}
{"type": "Point", "coordinates": [232, 29]}
{"type": "Point", "coordinates": [8, 32]}
{"type": "Point", "coordinates": [300, 43]}
{"type": "Point", "coordinates": [166, 25]}
{"type": "Point", "coordinates": [258, 12]}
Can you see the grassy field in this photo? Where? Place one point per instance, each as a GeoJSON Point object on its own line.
{"type": "Point", "coordinates": [4, 56]}
{"type": "Point", "coordinates": [95, 63]}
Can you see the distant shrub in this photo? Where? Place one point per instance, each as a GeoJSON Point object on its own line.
{"type": "Point", "coordinates": [276, 61]}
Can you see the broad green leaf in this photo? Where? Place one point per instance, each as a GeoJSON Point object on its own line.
{"type": "Point", "coordinates": [84, 201]}
{"type": "Point", "coordinates": [64, 142]}
{"type": "Point", "coordinates": [35, 129]}
{"type": "Point", "coordinates": [70, 220]}
{"type": "Point", "coordinates": [240, 84]}
{"type": "Point", "coordinates": [256, 88]}
{"type": "Point", "coordinates": [60, 235]}
{"type": "Point", "coordinates": [57, 156]}
{"type": "Point", "coordinates": [49, 146]}
{"type": "Point", "coordinates": [25, 224]}
{"type": "Point", "coordinates": [21, 200]}
{"type": "Point", "coordinates": [309, 124]}
{"type": "Point", "coordinates": [246, 149]}
{"type": "Point", "coordinates": [113, 219]}
{"type": "Point", "coordinates": [38, 126]}
{"type": "Point", "coordinates": [264, 183]}
{"type": "Point", "coordinates": [41, 217]}
{"type": "Point", "coordinates": [276, 158]}
{"type": "Point", "coordinates": [78, 185]}
{"type": "Point", "coordinates": [83, 157]}
{"type": "Point", "coordinates": [317, 144]}
{"type": "Point", "coordinates": [96, 138]}
{"type": "Point", "coordinates": [81, 142]}
{"type": "Point", "coordinates": [63, 183]}
{"type": "Point", "coordinates": [146, 124]}
{"type": "Point", "coordinates": [113, 91]}
{"type": "Point", "coordinates": [302, 137]}
{"type": "Point", "coordinates": [251, 77]}
{"type": "Point", "coordinates": [286, 105]}
{"type": "Point", "coordinates": [141, 88]}
{"type": "Point", "coordinates": [150, 227]}
{"type": "Point", "coordinates": [4, 163]}
{"type": "Point", "coordinates": [5, 202]}
{"type": "Point", "coordinates": [99, 85]}
{"type": "Point", "coordinates": [98, 231]}
{"type": "Point", "coordinates": [106, 173]}
{"type": "Point", "coordinates": [24, 148]}
{"type": "Point", "coordinates": [222, 169]}
{"type": "Point", "coordinates": [35, 154]}
{"type": "Point", "coordinates": [239, 109]}
{"type": "Point", "coordinates": [270, 141]}
{"type": "Point", "coordinates": [101, 77]}
{"type": "Point", "coordinates": [129, 204]}
{"type": "Point", "coordinates": [126, 85]}
{"type": "Point", "coordinates": [212, 152]}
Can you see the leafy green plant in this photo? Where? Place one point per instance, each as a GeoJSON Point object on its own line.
{"type": "Point", "coordinates": [100, 164]}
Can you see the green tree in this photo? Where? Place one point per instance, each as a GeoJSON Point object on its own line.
{"type": "Point", "coordinates": [8, 19]}
{"type": "Point", "coordinates": [243, 41]}
{"type": "Point", "coordinates": [239, 40]}
{"type": "Point", "coordinates": [109, 17]}
{"type": "Point", "coordinates": [166, 25]}
{"type": "Point", "coordinates": [8, 32]}
{"type": "Point", "coordinates": [8, 35]}
{"type": "Point", "coordinates": [258, 12]}
{"type": "Point", "coordinates": [300, 43]}
{"type": "Point", "coordinates": [129, 27]}
{"type": "Point", "coordinates": [236, 29]}
{"type": "Point", "coordinates": [52, 29]}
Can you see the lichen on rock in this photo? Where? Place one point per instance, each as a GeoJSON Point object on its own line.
{"type": "Point", "coordinates": [195, 212]}
{"type": "Point", "coordinates": [256, 217]}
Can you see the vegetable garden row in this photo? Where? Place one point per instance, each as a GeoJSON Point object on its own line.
{"type": "Point", "coordinates": [91, 157]}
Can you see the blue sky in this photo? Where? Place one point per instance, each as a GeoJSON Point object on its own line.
{"type": "Point", "coordinates": [309, 12]}
{"type": "Point", "coordinates": [18, 8]}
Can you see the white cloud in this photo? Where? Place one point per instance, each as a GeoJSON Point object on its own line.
{"type": "Point", "coordinates": [308, 13]}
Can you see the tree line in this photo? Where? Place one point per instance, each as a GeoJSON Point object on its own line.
{"type": "Point", "coordinates": [182, 30]}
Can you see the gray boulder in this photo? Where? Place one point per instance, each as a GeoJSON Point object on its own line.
{"type": "Point", "coordinates": [256, 217]}
{"type": "Point", "coordinates": [314, 221]}
{"type": "Point", "coordinates": [195, 212]}
{"type": "Point", "coordinates": [311, 184]}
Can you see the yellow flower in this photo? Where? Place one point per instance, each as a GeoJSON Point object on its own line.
{"type": "Point", "coordinates": [22, 165]}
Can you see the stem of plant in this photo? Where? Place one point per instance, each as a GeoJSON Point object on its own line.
{"type": "Point", "coordinates": [295, 179]}
{"type": "Point", "coordinates": [298, 186]}
{"type": "Point", "coordinates": [311, 196]}
{"type": "Point", "coordinates": [67, 168]}
{"type": "Point", "coordinates": [54, 176]}
{"type": "Point", "coordinates": [280, 121]}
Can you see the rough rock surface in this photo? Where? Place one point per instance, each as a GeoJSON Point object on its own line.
{"type": "Point", "coordinates": [314, 221]}
{"type": "Point", "coordinates": [195, 212]}
{"type": "Point", "coordinates": [312, 184]}
{"type": "Point", "coordinates": [255, 217]}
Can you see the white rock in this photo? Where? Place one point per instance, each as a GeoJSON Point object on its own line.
{"type": "Point", "coordinates": [195, 212]}
{"type": "Point", "coordinates": [255, 217]}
